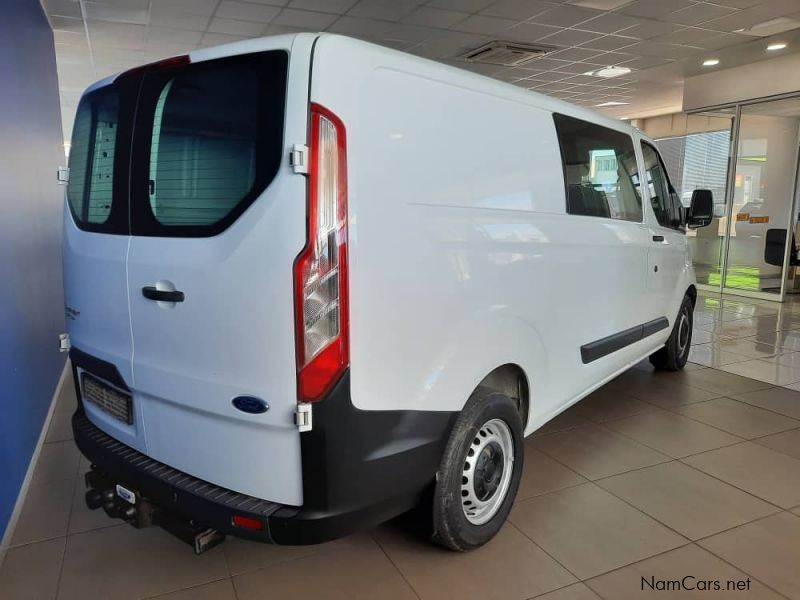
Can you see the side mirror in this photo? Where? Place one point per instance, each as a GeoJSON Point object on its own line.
{"type": "Point", "coordinates": [701, 209]}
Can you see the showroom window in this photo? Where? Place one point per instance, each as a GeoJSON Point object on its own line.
{"type": "Point", "coordinates": [663, 199]}
{"type": "Point", "coordinates": [600, 170]}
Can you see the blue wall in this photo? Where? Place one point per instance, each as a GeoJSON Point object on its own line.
{"type": "Point", "coordinates": [31, 301]}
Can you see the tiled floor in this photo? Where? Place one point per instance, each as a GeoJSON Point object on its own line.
{"type": "Point", "coordinates": [652, 478]}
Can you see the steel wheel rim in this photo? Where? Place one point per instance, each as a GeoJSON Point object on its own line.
{"type": "Point", "coordinates": [683, 333]}
{"type": "Point", "coordinates": [488, 468]}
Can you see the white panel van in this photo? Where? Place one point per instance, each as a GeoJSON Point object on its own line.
{"type": "Point", "coordinates": [311, 281]}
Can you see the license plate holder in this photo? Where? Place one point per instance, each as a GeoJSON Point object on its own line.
{"type": "Point", "coordinates": [110, 400]}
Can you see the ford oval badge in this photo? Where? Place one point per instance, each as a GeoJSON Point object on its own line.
{"type": "Point", "coordinates": [250, 404]}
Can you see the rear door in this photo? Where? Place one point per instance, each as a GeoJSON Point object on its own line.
{"type": "Point", "coordinates": [217, 219]}
{"type": "Point", "coordinates": [96, 240]}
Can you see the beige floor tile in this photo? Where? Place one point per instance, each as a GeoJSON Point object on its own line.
{"type": "Point", "coordinates": [589, 531]}
{"type": "Point", "coordinates": [721, 383]}
{"type": "Point", "coordinates": [666, 394]}
{"type": "Point", "coordinates": [31, 572]}
{"type": "Point", "coordinates": [687, 500]}
{"type": "Point", "coordinates": [787, 442]}
{"type": "Point", "coordinates": [764, 370]}
{"type": "Point", "coordinates": [542, 474]}
{"type": "Point", "coordinates": [57, 460]}
{"type": "Point", "coordinates": [45, 513]}
{"type": "Point", "coordinates": [569, 419]}
{"type": "Point", "coordinates": [217, 590]}
{"type": "Point", "coordinates": [711, 355]}
{"type": "Point", "coordinates": [789, 359]}
{"type": "Point", "coordinates": [669, 569]}
{"type": "Point", "coordinates": [749, 348]}
{"type": "Point", "coordinates": [361, 570]}
{"type": "Point", "coordinates": [509, 567]}
{"type": "Point", "coordinates": [760, 471]}
{"type": "Point", "coordinates": [594, 451]}
{"type": "Point", "coordinates": [674, 435]}
{"type": "Point", "coordinates": [777, 399]}
{"type": "Point", "coordinates": [576, 591]}
{"type": "Point", "coordinates": [788, 340]}
{"type": "Point", "coordinates": [609, 403]}
{"type": "Point", "coordinates": [766, 549]}
{"type": "Point", "coordinates": [738, 418]}
{"type": "Point", "coordinates": [244, 556]}
{"type": "Point", "coordinates": [690, 366]}
{"type": "Point", "coordinates": [123, 562]}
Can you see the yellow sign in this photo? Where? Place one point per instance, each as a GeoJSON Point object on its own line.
{"type": "Point", "coordinates": [759, 219]}
{"type": "Point", "coordinates": [743, 216]}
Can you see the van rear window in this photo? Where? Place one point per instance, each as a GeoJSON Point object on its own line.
{"type": "Point", "coordinates": [198, 143]}
{"type": "Point", "coordinates": [600, 170]}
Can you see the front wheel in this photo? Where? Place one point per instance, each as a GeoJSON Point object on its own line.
{"type": "Point", "coordinates": [480, 471]}
{"type": "Point", "coordinates": [675, 353]}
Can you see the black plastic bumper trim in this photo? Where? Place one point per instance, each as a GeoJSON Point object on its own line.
{"type": "Point", "coordinates": [604, 346]}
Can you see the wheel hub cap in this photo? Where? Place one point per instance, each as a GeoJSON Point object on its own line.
{"type": "Point", "coordinates": [488, 467]}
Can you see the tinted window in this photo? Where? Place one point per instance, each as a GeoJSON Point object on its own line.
{"type": "Point", "coordinates": [204, 145]}
{"type": "Point", "coordinates": [665, 203]}
{"type": "Point", "coordinates": [600, 170]}
{"type": "Point", "coordinates": [91, 158]}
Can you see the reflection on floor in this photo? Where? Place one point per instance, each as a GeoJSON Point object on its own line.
{"type": "Point", "coordinates": [653, 478]}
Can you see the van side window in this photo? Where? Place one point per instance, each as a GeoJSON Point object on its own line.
{"type": "Point", "coordinates": [600, 170]}
{"type": "Point", "coordinates": [663, 199]}
{"type": "Point", "coordinates": [91, 159]}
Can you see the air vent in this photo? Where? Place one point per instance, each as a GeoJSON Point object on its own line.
{"type": "Point", "coordinates": [509, 54]}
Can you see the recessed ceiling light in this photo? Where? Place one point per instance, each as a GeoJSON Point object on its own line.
{"type": "Point", "coordinates": [711, 62]}
{"type": "Point", "coordinates": [611, 103]}
{"type": "Point", "coordinates": [624, 118]}
{"type": "Point", "coordinates": [776, 46]}
{"type": "Point", "coordinates": [608, 72]}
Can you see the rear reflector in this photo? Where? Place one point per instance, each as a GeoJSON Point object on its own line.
{"type": "Point", "coordinates": [247, 523]}
{"type": "Point", "coordinates": [320, 272]}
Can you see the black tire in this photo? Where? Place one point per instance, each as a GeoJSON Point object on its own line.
{"type": "Point", "coordinates": [675, 353]}
{"type": "Point", "coordinates": [452, 528]}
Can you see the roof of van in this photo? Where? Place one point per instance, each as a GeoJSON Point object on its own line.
{"type": "Point", "coordinates": [471, 80]}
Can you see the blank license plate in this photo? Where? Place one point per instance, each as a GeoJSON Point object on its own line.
{"type": "Point", "coordinates": [117, 404]}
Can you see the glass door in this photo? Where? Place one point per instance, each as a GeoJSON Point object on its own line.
{"type": "Point", "coordinates": [761, 223]}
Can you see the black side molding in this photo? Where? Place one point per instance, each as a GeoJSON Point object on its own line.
{"type": "Point", "coordinates": [95, 366]}
{"type": "Point", "coordinates": [605, 346]}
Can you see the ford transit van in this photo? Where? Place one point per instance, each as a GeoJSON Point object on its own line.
{"type": "Point", "coordinates": [311, 281]}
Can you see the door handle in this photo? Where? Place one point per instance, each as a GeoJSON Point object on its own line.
{"type": "Point", "coordinates": [658, 238]}
{"type": "Point", "coordinates": [151, 293]}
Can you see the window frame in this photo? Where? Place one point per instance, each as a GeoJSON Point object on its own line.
{"type": "Point", "coordinates": [673, 197]}
{"type": "Point", "coordinates": [556, 117]}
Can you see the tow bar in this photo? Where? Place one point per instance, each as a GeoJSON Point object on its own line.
{"type": "Point", "coordinates": [121, 502]}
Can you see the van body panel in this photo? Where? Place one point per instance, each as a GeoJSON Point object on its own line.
{"type": "Point", "coordinates": [492, 245]}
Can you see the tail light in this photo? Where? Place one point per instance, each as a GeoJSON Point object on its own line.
{"type": "Point", "coordinates": [320, 272]}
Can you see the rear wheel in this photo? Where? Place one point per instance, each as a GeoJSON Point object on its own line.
{"type": "Point", "coordinates": [675, 353]}
{"type": "Point", "coordinates": [480, 472]}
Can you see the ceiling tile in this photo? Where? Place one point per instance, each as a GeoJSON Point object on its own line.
{"type": "Point", "coordinates": [386, 10]}
{"type": "Point", "coordinates": [599, 4]}
{"type": "Point", "coordinates": [359, 27]}
{"type": "Point", "coordinates": [245, 11]}
{"type": "Point", "coordinates": [116, 35]}
{"type": "Point", "coordinates": [689, 35]}
{"type": "Point", "coordinates": [105, 12]}
{"type": "Point", "coordinates": [449, 44]}
{"type": "Point", "coordinates": [233, 27]}
{"type": "Point", "coordinates": [435, 17]}
{"type": "Point", "coordinates": [566, 16]}
{"type": "Point", "coordinates": [337, 7]}
{"type": "Point", "coordinates": [654, 8]}
{"type": "Point", "coordinates": [697, 14]}
{"type": "Point", "coordinates": [529, 32]}
{"type": "Point", "coordinates": [178, 20]}
{"type": "Point", "coordinates": [649, 29]}
{"type": "Point", "coordinates": [547, 64]}
{"type": "Point", "coordinates": [66, 24]}
{"type": "Point", "coordinates": [304, 19]}
{"type": "Point", "coordinates": [63, 8]}
{"type": "Point", "coordinates": [218, 39]}
{"type": "Point", "coordinates": [518, 9]}
{"type": "Point", "coordinates": [737, 3]}
{"type": "Point", "coordinates": [190, 7]}
{"type": "Point", "coordinates": [662, 50]}
{"type": "Point", "coordinates": [576, 68]}
{"type": "Point", "coordinates": [70, 37]}
{"type": "Point", "coordinates": [570, 37]}
{"type": "Point", "coordinates": [610, 42]}
{"type": "Point", "coordinates": [724, 40]}
{"type": "Point", "coordinates": [576, 54]}
{"type": "Point", "coordinates": [463, 5]}
{"type": "Point", "coordinates": [646, 62]}
{"type": "Point", "coordinates": [157, 35]}
{"type": "Point", "coordinates": [410, 33]}
{"type": "Point", "coordinates": [609, 23]}
{"type": "Point", "coordinates": [484, 25]}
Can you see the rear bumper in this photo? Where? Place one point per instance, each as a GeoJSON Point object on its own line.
{"type": "Point", "coordinates": [360, 468]}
